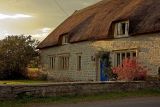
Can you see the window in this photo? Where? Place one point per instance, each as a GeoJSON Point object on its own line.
{"type": "Point", "coordinates": [121, 29]}
{"type": "Point", "coordinates": [65, 40]}
{"type": "Point", "coordinates": [121, 55]}
{"type": "Point", "coordinates": [79, 62]}
{"type": "Point", "coordinates": [63, 62]}
{"type": "Point", "coordinates": [52, 62]}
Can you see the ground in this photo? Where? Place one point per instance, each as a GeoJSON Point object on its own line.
{"type": "Point", "coordinates": [139, 98]}
{"type": "Point", "coordinates": [130, 102]}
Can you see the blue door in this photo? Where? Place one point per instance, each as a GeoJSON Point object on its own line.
{"type": "Point", "coordinates": [104, 69]}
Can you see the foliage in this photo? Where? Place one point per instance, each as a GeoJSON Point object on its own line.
{"type": "Point", "coordinates": [34, 63]}
{"type": "Point", "coordinates": [36, 74]}
{"type": "Point", "coordinates": [32, 73]}
{"type": "Point", "coordinates": [130, 70]}
{"type": "Point", "coordinates": [16, 52]}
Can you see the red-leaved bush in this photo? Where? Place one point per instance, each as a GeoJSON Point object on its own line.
{"type": "Point", "coordinates": [130, 70]}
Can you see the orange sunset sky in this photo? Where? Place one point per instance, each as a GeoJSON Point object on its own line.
{"type": "Point", "coordinates": [36, 17]}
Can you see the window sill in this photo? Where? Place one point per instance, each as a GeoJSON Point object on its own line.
{"type": "Point", "coordinates": [121, 36]}
{"type": "Point", "coordinates": [63, 70]}
{"type": "Point", "coordinates": [65, 43]}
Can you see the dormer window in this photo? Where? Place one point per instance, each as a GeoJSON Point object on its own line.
{"type": "Point", "coordinates": [65, 40]}
{"type": "Point", "coordinates": [121, 29]}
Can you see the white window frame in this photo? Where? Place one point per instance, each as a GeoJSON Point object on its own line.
{"type": "Point", "coordinates": [63, 62]}
{"type": "Point", "coordinates": [52, 62]}
{"type": "Point", "coordinates": [65, 40]}
{"type": "Point", "coordinates": [120, 55]}
{"type": "Point", "coordinates": [118, 32]}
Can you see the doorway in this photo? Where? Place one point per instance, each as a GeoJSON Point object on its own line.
{"type": "Point", "coordinates": [104, 67]}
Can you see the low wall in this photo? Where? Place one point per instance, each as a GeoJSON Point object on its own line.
{"type": "Point", "coordinates": [62, 89]}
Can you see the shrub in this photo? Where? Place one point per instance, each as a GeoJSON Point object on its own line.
{"type": "Point", "coordinates": [42, 76]}
{"type": "Point", "coordinates": [35, 74]}
{"type": "Point", "coordinates": [130, 70]}
{"type": "Point", "coordinates": [32, 73]}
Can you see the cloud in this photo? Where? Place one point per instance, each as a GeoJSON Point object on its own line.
{"type": "Point", "coordinates": [40, 34]}
{"type": "Point", "coordinates": [5, 33]}
{"type": "Point", "coordinates": [16, 16]}
{"type": "Point", "coordinates": [45, 30]}
{"type": "Point", "coordinates": [85, 3]}
{"type": "Point", "coordinates": [42, 15]}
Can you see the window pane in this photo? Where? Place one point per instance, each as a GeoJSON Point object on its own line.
{"type": "Point", "coordinates": [79, 63]}
{"type": "Point", "coordinates": [64, 63]}
{"type": "Point", "coordinates": [120, 56]}
{"type": "Point", "coordinates": [118, 59]}
{"type": "Point", "coordinates": [127, 28]}
{"type": "Point", "coordinates": [128, 55]}
{"type": "Point", "coordinates": [65, 39]}
{"type": "Point", "coordinates": [134, 54]}
{"type": "Point", "coordinates": [123, 56]}
{"type": "Point", "coordinates": [119, 29]}
{"type": "Point", "coordinates": [122, 29]}
{"type": "Point", "coordinates": [68, 63]}
{"type": "Point", "coordinates": [123, 25]}
{"type": "Point", "coordinates": [52, 63]}
{"type": "Point", "coordinates": [60, 63]}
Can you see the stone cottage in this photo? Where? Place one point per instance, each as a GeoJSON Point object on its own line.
{"type": "Point", "coordinates": [118, 28]}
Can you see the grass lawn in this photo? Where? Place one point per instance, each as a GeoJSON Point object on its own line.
{"type": "Point", "coordinates": [21, 102]}
{"type": "Point", "coordinates": [14, 82]}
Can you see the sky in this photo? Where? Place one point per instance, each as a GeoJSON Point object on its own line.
{"type": "Point", "coordinates": [36, 17]}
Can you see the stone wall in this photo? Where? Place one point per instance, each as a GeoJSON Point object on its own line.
{"type": "Point", "coordinates": [147, 47]}
{"type": "Point", "coordinates": [88, 72]}
{"type": "Point", "coordinates": [63, 89]}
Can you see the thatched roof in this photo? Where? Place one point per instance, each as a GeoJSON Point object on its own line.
{"type": "Point", "coordinates": [95, 22]}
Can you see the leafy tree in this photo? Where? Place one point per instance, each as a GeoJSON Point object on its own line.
{"type": "Point", "coordinates": [16, 52]}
